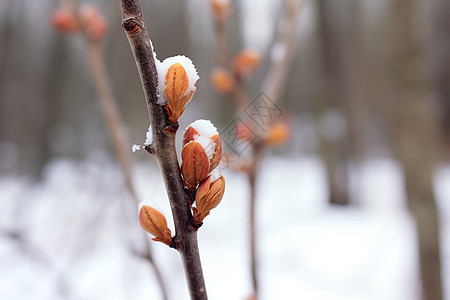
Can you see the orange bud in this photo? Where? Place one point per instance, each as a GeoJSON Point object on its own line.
{"type": "Point", "coordinates": [245, 62]}
{"type": "Point", "coordinates": [189, 135]}
{"type": "Point", "coordinates": [208, 196]}
{"type": "Point", "coordinates": [277, 134]}
{"type": "Point", "coordinates": [155, 223]}
{"type": "Point", "coordinates": [176, 87]}
{"type": "Point", "coordinates": [222, 81]}
{"type": "Point", "coordinates": [88, 12]}
{"type": "Point", "coordinates": [95, 24]}
{"type": "Point", "coordinates": [221, 9]}
{"type": "Point", "coordinates": [64, 20]}
{"type": "Point", "coordinates": [195, 164]}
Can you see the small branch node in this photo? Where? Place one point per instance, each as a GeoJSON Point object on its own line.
{"type": "Point", "coordinates": [131, 26]}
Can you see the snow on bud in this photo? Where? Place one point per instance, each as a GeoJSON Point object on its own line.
{"type": "Point", "coordinates": [64, 20]}
{"type": "Point", "coordinates": [277, 134]}
{"type": "Point", "coordinates": [246, 62]}
{"type": "Point", "coordinates": [154, 223]}
{"type": "Point", "coordinates": [222, 81]}
{"type": "Point", "coordinates": [204, 132]}
{"type": "Point", "coordinates": [208, 196]}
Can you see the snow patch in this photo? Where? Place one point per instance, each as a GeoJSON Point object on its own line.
{"type": "Point", "coordinates": [215, 174]}
{"type": "Point", "coordinates": [135, 147]}
{"type": "Point", "coordinates": [204, 128]}
{"type": "Point", "coordinates": [149, 136]}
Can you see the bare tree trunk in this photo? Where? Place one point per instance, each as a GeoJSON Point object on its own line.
{"type": "Point", "coordinates": [333, 151]}
{"type": "Point", "coordinates": [415, 140]}
{"type": "Point", "coordinates": [440, 51]}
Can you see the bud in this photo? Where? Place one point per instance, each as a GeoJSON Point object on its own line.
{"type": "Point", "coordinates": [95, 24]}
{"type": "Point", "coordinates": [277, 134]}
{"type": "Point", "coordinates": [176, 91]}
{"type": "Point", "coordinates": [208, 196]}
{"type": "Point", "coordinates": [195, 164]}
{"type": "Point", "coordinates": [245, 62]}
{"type": "Point", "coordinates": [221, 10]}
{"type": "Point", "coordinates": [204, 132]}
{"type": "Point", "coordinates": [154, 223]}
{"type": "Point", "coordinates": [222, 81]}
{"type": "Point", "coordinates": [64, 20]}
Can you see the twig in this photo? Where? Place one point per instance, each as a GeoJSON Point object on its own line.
{"type": "Point", "coordinates": [185, 239]}
{"type": "Point", "coordinates": [282, 51]}
{"type": "Point", "coordinates": [118, 134]}
{"type": "Point", "coordinates": [274, 82]}
{"type": "Point", "coordinates": [113, 120]}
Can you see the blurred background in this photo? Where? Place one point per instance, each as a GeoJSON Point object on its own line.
{"type": "Point", "coordinates": [353, 206]}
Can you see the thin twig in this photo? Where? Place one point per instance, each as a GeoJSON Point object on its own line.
{"type": "Point", "coordinates": [185, 239]}
{"type": "Point", "coordinates": [110, 111]}
{"type": "Point", "coordinates": [273, 84]}
{"type": "Point", "coordinates": [119, 138]}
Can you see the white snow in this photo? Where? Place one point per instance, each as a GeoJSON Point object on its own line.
{"type": "Point", "coordinates": [135, 147]}
{"type": "Point", "coordinates": [149, 136]}
{"type": "Point", "coordinates": [205, 131]}
{"type": "Point", "coordinates": [188, 66]}
{"type": "Point", "coordinates": [215, 174]}
{"type": "Point", "coordinates": [79, 235]}
{"type": "Point", "coordinates": [204, 127]}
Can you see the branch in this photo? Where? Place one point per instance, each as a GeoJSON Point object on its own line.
{"type": "Point", "coordinates": [113, 120]}
{"type": "Point", "coordinates": [282, 51]}
{"type": "Point", "coordinates": [185, 240]}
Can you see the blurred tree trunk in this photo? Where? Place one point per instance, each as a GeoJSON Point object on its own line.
{"type": "Point", "coordinates": [354, 70]}
{"type": "Point", "coordinates": [415, 139]}
{"type": "Point", "coordinates": [332, 148]}
{"type": "Point", "coordinates": [440, 51]}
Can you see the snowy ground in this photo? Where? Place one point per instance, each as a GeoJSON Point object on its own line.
{"type": "Point", "coordinates": [75, 234]}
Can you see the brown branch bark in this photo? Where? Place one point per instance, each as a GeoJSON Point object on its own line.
{"type": "Point", "coordinates": [185, 239]}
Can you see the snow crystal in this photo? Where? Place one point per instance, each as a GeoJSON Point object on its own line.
{"type": "Point", "coordinates": [149, 136]}
{"type": "Point", "coordinates": [164, 66]}
{"type": "Point", "coordinates": [215, 174]}
{"type": "Point", "coordinates": [135, 147]}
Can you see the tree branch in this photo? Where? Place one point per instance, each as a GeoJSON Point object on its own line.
{"type": "Point", "coordinates": [185, 240]}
